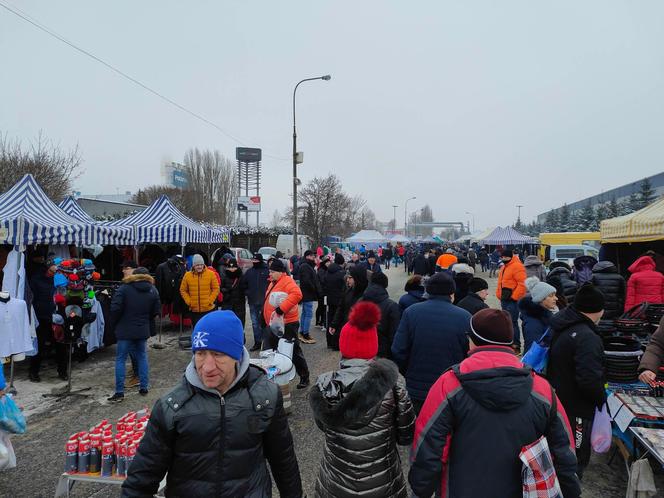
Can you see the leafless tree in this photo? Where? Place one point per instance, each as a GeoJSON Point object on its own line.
{"type": "Point", "coordinates": [276, 219]}
{"type": "Point", "coordinates": [54, 168]}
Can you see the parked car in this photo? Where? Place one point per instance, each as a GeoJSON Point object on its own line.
{"type": "Point", "coordinates": [243, 257]}
{"type": "Point", "coordinates": [267, 252]}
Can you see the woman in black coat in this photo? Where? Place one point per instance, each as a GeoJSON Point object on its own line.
{"type": "Point", "coordinates": [335, 286]}
{"type": "Point", "coordinates": [612, 284]}
{"type": "Point", "coordinates": [321, 315]}
{"type": "Point", "coordinates": [356, 284]}
{"type": "Point", "coordinates": [231, 290]}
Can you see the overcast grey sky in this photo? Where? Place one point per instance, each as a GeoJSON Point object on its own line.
{"type": "Point", "coordinates": [470, 106]}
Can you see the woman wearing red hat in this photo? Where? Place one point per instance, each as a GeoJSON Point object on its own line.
{"type": "Point", "coordinates": [364, 414]}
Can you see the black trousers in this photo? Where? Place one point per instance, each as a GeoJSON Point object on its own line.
{"type": "Point", "coordinates": [582, 428]}
{"type": "Point", "coordinates": [332, 339]}
{"type": "Point", "coordinates": [320, 312]}
{"type": "Point", "coordinates": [271, 341]}
{"type": "Point", "coordinates": [196, 316]}
{"type": "Point", "coordinates": [45, 342]}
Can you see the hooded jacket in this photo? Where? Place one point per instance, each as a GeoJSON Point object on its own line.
{"type": "Point", "coordinates": [309, 282]}
{"type": "Point", "coordinates": [607, 279]}
{"type": "Point", "coordinates": [645, 285]}
{"type": "Point", "coordinates": [561, 278]}
{"type": "Point", "coordinates": [167, 279]}
{"type": "Point", "coordinates": [289, 306]}
{"type": "Point", "coordinates": [420, 265]}
{"type": "Point", "coordinates": [472, 303]}
{"type": "Point", "coordinates": [214, 445]}
{"type": "Point", "coordinates": [364, 414]}
{"type": "Point", "coordinates": [463, 274]}
{"type": "Point", "coordinates": [134, 306]}
{"type": "Point", "coordinates": [335, 284]}
{"type": "Point", "coordinates": [200, 290]}
{"type": "Point", "coordinates": [413, 296]}
{"type": "Point", "coordinates": [535, 319]}
{"type": "Point", "coordinates": [254, 284]}
{"type": "Point", "coordinates": [432, 336]}
{"type": "Point", "coordinates": [512, 276]}
{"type": "Point", "coordinates": [42, 289]}
{"type": "Point", "coordinates": [231, 289]}
{"type": "Point", "coordinates": [390, 315]}
{"type": "Point", "coordinates": [534, 267]}
{"type": "Point", "coordinates": [576, 363]}
{"type": "Point", "coordinates": [474, 423]}
{"type": "Point", "coordinates": [351, 296]}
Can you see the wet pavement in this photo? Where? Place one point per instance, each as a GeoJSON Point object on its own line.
{"type": "Point", "coordinates": [40, 450]}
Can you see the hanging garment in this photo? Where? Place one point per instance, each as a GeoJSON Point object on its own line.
{"type": "Point", "coordinates": [9, 283]}
{"type": "Point", "coordinates": [641, 480]}
{"type": "Point", "coordinates": [95, 331]}
{"type": "Point", "coordinates": [15, 334]}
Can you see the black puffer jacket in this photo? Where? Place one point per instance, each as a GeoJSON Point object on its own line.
{"type": "Point", "coordinates": [214, 445]}
{"type": "Point", "coordinates": [364, 414]}
{"type": "Point", "coordinates": [390, 316]}
{"type": "Point", "coordinates": [576, 363]}
{"type": "Point", "coordinates": [167, 280]}
{"type": "Point", "coordinates": [335, 284]}
{"type": "Point", "coordinates": [612, 284]}
{"type": "Point", "coordinates": [351, 296]}
{"type": "Point", "coordinates": [561, 278]}
{"type": "Point", "coordinates": [309, 282]}
{"type": "Point", "coordinates": [233, 292]}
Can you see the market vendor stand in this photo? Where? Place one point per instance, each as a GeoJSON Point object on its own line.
{"type": "Point", "coordinates": [66, 483]}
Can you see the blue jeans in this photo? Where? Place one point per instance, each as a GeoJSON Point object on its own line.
{"type": "Point", "coordinates": [511, 307]}
{"type": "Point", "coordinates": [255, 312]}
{"type": "Point", "coordinates": [138, 349]}
{"type": "Point", "coordinates": [307, 315]}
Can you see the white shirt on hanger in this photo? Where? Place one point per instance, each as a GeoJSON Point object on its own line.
{"type": "Point", "coordinates": [15, 334]}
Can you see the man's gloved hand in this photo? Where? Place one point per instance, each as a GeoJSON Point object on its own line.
{"type": "Point", "coordinates": [278, 311]}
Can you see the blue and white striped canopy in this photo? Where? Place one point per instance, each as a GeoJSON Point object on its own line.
{"type": "Point", "coordinates": [102, 235]}
{"type": "Point", "coordinates": [162, 222]}
{"type": "Point", "coordinates": [28, 216]}
{"type": "Point", "coordinates": [507, 236]}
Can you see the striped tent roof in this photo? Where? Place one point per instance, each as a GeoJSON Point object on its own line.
{"type": "Point", "coordinates": [103, 235]}
{"type": "Point", "coordinates": [162, 222]}
{"type": "Point", "coordinates": [644, 225]}
{"type": "Point", "coordinates": [506, 236]}
{"type": "Point", "coordinates": [28, 216]}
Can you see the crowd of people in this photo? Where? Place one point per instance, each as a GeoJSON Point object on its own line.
{"type": "Point", "coordinates": [466, 401]}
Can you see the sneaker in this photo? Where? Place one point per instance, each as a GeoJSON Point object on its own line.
{"type": "Point", "coordinates": [143, 392]}
{"type": "Point", "coordinates": [303, 383]}
{"type": "Point", "coordinates": [34, 377]}
{"type": "Point", "coordinates": [307, 339]}
{"type": "Point", "coordinates": [116, 397]}
{"type": "Point", "coordinates": [133, 382]}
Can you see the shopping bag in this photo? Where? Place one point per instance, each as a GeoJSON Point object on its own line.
{"type": "Point", "coordinates": [11, 417]}
{"type": "Point", "coordinates": [537, 356]}
{"type": "Point", "coordinates": [538, 475]}
{"type": "Point", "coordinates": [7, 456]}
{"type": "Point", "coordinates": [600, 437]}
{"type": "Point", "coordinates": [277, 325]}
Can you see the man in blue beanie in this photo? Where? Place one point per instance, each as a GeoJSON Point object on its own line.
{"type": "Point", "coordinates": [215, 433]}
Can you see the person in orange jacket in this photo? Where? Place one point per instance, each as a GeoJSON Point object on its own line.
{"type": "Point", "coordinates": [446, 260]}
{"type": "Point", "coordinates": [288, 308]}
{"type": "Point", "coordinates": [511, 287]}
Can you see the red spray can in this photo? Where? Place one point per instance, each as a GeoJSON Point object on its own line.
{"type": "Point", "coordinates": [122, 460]}
{"type": "Point", "coordinates": [71, 456]}
{"type": "Point", "coordinates": [107, 453]}
{"type": "Point", "coordinates": [95, 453]}
{"type": "Point", "coordinates": [84, 456]}
{"type": "Point", "coordinates": [131, 453]}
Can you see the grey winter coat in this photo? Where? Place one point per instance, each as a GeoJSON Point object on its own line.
{"type": "Point", "coordinates": [534, 267]}
{"type": "Point", "coordinates": [213, 445]}
{"type": "Point", "coordinates": [364, 414]}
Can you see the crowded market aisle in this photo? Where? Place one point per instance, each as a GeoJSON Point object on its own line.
{"type": "Point", "coordinates": [51, 422]}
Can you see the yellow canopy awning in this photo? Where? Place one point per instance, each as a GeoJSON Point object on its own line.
{"type": "Point", "coordinates": [644, 225]}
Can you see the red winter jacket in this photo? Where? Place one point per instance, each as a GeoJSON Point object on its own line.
{"type": "Point", "coordinates": [645, 284]}
{"type": "Point", "coordinates": [474, 422]}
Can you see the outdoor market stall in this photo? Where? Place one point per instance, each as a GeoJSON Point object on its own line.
{"type": "Point", "coordinates": [369, 238]}
{"type": "Point", "coordinates": [508, 236]}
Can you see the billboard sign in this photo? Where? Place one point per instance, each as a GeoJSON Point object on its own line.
{"type": "Point", "coordinates": [248, 155]}
{"type": "Point", "coordinates": [250, 204]}
{"type": "Point", "coordinates": [180, 179]}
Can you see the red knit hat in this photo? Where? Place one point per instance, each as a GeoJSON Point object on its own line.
{"type": "Point", "coordinates": [359, 337]}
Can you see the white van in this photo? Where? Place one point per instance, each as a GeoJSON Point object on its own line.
{"type": "Point", "coordinates": [568, 253]}
{"type": "Point", "coordinates": [285, 244]}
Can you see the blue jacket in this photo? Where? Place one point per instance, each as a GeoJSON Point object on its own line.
{"type": "Point", "coordinates": [254, 284]}
{"type": "Point", "coordinates": [535, 320]}
{"type": "Point", "coordinates": [134, 306]}
{"type": "Point", "coordinates": [374, 268]}
{"type": "Point", "coordinates": [432, 336]}
{"type": "Point", "coordinates": [411, 297]}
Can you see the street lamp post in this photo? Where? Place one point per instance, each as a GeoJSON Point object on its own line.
{"type": "Point", "coordinates": [471, 214]}
{"type": "Point", "coordinates": [405, 216]}
{"type": "Point", "coordinates": [394, 217]}
{"type": "Point", "coordinates": [327, 77]}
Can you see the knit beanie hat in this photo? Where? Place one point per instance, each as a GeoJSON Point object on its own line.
{"type": "Point", "coordinates": [258, 257]}
{"type": "Point", "coordinates": [359, 337]}
{"type": "Point", "coordinates": [588, 299]}
{"type": "Point", "coordinates": [491, 326]}
{"type": "Point", "coordinates": [339, 259]}
{"type": "Point", "coordinates": [477, 284]}
{"type": "Point", "coordinates": [507, 253]}
{"type": "Point", "coordinates": [308, 253]}
{"type": "Point", "coordinates": [379, 279]}
{"type": "Point", "coordinates": [441, 284]}
{"type": "Point", "coordinates": [219, 331]}
{"type": "Point", "coordinates": [371, 254]}
{"type": "Point", "coordinates": [197, 259]}
{"type": "Point", "coordinates": [539, 290]}
{"type": "Point", "coordinates": [278, 265]}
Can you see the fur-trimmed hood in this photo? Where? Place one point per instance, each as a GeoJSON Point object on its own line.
{"type": "Point", "coordinates": [141, 281]}
{"type": "Point", "coordinates": [353, 393]}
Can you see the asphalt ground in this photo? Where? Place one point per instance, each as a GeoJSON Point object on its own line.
{"type": "Point", "coordinates": [40, 452]}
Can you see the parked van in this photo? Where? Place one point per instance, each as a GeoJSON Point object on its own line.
{"type": "Point", "coordinates": [285, 244]}
{"type": "Point", "coordinates": [567, 253]}
{"type": "Point", "coordinates": [549, 239]}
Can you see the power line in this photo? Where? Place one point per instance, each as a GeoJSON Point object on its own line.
{"type": "Point", "coordinates": [16, 11]}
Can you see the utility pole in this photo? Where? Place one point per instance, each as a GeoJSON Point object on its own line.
{"type": "Point", "coordinates": [394, 217]}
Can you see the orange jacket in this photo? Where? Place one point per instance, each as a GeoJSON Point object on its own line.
{"type": "Point", "coordinates": [446, 260]}
{"type": "Point", "coordinates": [199, 290]}
{"type": "Point", "coordinates": [289, 306]}
{"type": "Point", "coordinates": [512, 276]}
